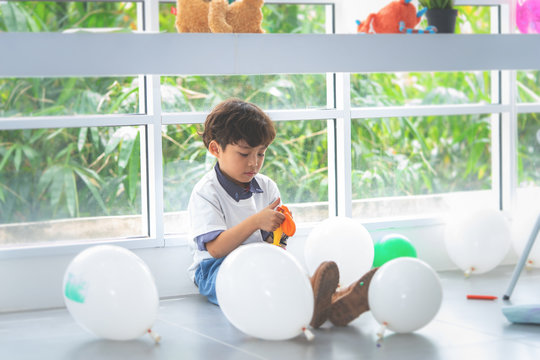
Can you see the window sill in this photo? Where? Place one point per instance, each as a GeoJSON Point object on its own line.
{"type": "Point", "coordinates": [165, 54]}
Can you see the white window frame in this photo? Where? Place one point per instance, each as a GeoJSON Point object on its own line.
{"type": "Point", "coordinates": [337, 55]}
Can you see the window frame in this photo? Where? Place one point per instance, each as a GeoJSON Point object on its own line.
{"type": "Point", "coordinates": [235, 47]}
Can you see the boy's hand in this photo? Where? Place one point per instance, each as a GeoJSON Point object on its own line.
{"type": "Point", "coordinates": [270, 219]}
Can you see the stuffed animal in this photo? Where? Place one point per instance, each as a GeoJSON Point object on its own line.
{"type": "Point", "coordinates": [399, 16]}
{"type": "Point", "coordinates": [286, 229]}
{"type": "Point", "coordinates": [192, 16]}
{"type": "Point", "coordinates": [244, 16]}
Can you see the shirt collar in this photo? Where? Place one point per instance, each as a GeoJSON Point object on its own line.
{"type": "Point", "coordinates": [234, 190]}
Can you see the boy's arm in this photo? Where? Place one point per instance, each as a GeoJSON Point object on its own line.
{"type": "Point", "coordinates": [267, 219]}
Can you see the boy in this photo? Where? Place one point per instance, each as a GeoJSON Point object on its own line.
{"type": "Point", "coordinates": [234, 204]}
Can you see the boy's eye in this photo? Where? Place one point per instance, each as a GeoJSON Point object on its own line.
{"type": "Point", "coordinates": [261, 155]}
{"type": "Point", "coordinates": [244, 155]}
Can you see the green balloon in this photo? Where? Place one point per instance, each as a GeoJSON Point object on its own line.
{"type": "Point", "coordinates": [391, 247]}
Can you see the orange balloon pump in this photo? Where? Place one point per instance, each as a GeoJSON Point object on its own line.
{"type": "Point", "coordinates": [287, 227]}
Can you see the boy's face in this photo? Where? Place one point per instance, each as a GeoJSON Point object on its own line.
{"type": "Point", "coordinates": [239, 162]}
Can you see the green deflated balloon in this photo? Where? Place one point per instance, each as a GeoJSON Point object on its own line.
{"type": "Point", "coordinates": [391, 247]}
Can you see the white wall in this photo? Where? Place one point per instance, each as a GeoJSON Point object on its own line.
{"type": "Point", "coordinates": [36, 282]}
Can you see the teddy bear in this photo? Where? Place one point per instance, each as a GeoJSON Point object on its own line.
{"type": "Point", "coordinates": [218, 16]}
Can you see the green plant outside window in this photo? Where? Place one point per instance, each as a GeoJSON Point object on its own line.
{"type": "Point", "coordinates": [87, 172]}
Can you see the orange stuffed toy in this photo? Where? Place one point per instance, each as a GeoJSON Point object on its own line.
{"type": "Point", "coordinates": [286, 229]}
{"type": "Point", "coordinates": [399, 16]}
{"type": "Point", "coordinates": [217, 16]}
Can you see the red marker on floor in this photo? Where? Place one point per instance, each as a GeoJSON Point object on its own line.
{"type": "Point", "coordinates": [481, 297]}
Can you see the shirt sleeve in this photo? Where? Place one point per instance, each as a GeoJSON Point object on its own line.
{"type": "Point", "coordinates": [273, 192]}
{"type": "Point", "coordinates": [201, 240]}
{"type": "Point", "coordinates": [207, 220]}
{"type": "Point", "coordinates": [265, 234]}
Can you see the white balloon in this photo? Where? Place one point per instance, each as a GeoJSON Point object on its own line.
{"type": "Point", "coordinates": [405, 294]}
{"type": "Point", "coordinates": [343, 240]}
{"type": "Point", "coordinates": [522, 227]}
{"type": "Point", "coordinates": [477, 241]}
{"type": "Point", "coordinates": [264, 292]}
{"type": "Point", "coordinates": [111, 292]}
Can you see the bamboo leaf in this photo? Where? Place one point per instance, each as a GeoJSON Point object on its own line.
{"type": "Point", "coordinates": [6, 157]}
{"type": "Point", "coordinates": [52, 110]}
{"type": "Point", "coordinates": [29, 152]}
{"type": "Point", "coordinates": [93, 189]}
{"type": "Point", "coordinates": [67, 91]}
{"type": "Point", "coordinates": [133, 169]}
{"type": "Point", "coordinates": [14, 17]}
{"type": "Point", "coordinates": [120, 99]}
{"type": "Point", "coordinates": [70, 192]}
{"type": "Point", "coordinates": [94, 134]}
{"type": "Point", "coordinates": [17, 158]}
{"type": "Point", "coordinates": [82, 138]}
{"type": "Point", "coordinates": [417, 135]}
{"type": "Point", "coordinates": [121, 134]}
{"type": "Point", "coordinates": [126, 148]}
{"type": "Point", "coordinates": [56, 189]}
{"type": "Point", "coordinates": [47, 177]}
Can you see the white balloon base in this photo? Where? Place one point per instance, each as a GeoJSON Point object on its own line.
{"type": "Point", "coordinates": [308, 334]}
{"type": "Point", "coordinates": [380, 334]}
{"type": "Point", "coordinates": [154, 335]}
{"type": "Point", "coordinates": [468, 272]}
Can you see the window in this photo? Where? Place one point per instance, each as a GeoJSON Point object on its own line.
{"type": "Point", "coordinates": [271, 92]}
{"type": "Point", "coordinates": [116, 152]}
{"type": "Point", "coordinates": [415, 89]}
{"type": "Point", "coordinates": [528, 84]}
{"type": "Point", "coordinates": [88, 175]}
{"type": "Point", "coordinates": [124, 150]}
{"type": "Point", "coordinates": [528, 160]}
{"type": "Point", "coordinates": [405, 165]}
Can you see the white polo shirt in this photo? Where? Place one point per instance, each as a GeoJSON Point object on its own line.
{"type": "Point", "coordinates": [211, 209]}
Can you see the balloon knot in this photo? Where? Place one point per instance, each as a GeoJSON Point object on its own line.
{"type": "Point", "coordinates": [380, 333]}
{"type": "Point", "coordinates": [154, 335]}
{"type": "Point", "coordinates": [309, 335]}
{"type": "Point", "coordinates": [469, 271]}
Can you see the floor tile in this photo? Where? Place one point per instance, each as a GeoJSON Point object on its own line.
{"type": "Point", "coordinates": [192, 328]}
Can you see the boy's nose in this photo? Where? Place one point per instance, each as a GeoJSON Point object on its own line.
{"type": "Point", "coordinates": [253, 160]}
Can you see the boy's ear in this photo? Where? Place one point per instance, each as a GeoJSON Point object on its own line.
{"type": "Point", "coordinates": [214, 148]}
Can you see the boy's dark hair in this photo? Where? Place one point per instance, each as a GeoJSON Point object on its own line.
{"type": "Point", "coordinates": [233, 120]}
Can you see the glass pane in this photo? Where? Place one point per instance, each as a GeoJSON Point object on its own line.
{"type": "Point", "coordinates": [69, 184]}
{"type": "Point", "coordinates": [296, 161]}
{"type": "Point", "coordinates": [68, 96]}
{"type": "Point", "coordinates": [202, 93]}
{"type": "Point", "coordinates": [527, 205]}
{"type": "Point", "coordinates": [425, 88]}
{"type": "Point", "coordinates": [49, 16]}
{"type": "Point", "coordinates": [529, 151]}
{"type": "Point", "coordinates": [294, 18]}
{"type": "Point", "coordinates": [402, 157]}
{"type": "Point", "coordinates": [528, 85]}
{"type": "Point", "coordinates": [185, 161]}
{"type": "Point", "coordinates": [277, 18]}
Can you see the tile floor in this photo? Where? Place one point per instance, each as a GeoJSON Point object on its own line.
{"type": "Point", "coordinates": [192, 328]}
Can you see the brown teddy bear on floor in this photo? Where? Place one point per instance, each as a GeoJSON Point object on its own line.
{"type": "Point", "coordinates": [217, 16]}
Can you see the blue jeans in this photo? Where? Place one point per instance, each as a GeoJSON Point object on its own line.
{"type": "Point", "coordinates": [205, 278]}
